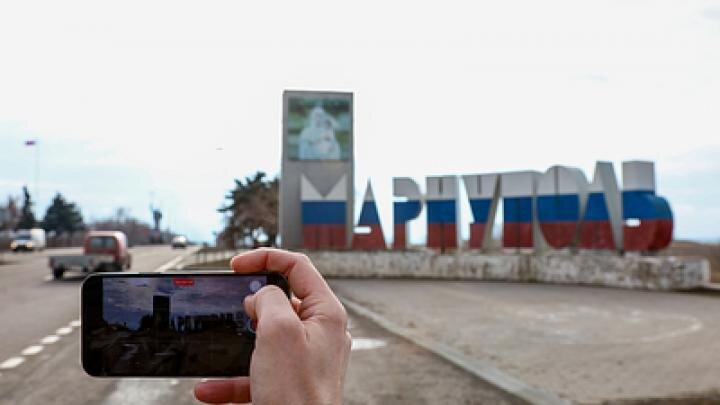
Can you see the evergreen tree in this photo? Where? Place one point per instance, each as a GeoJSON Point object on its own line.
{"type": "Point", "coordinates": [253, 211]}
{"type": "Point", "coordinates": [62, 216]}
{"type": "Point", "coordinates": [27, 217]}
{"type": "Point", "coordinates": [9, 214]}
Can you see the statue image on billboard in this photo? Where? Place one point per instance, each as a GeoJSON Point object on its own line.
{"type": "Point", "coordinates": [317, 170]}
{"type": "Point", "coordinates": [318, 129]}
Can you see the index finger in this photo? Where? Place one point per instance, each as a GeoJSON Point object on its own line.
{"type": "Point", "coordinates": [303, 278]}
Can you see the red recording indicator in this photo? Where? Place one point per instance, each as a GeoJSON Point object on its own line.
{"type": "Point", "coordinates": [183, 282]}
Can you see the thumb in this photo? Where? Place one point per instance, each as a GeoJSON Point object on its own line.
{"type": "Point", "coordinates": [270, 306]}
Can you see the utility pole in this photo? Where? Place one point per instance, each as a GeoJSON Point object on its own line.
{"type": "Point", "coordinates": [37, 175]}
{"type": "Point", "coordinates": [34, 144]}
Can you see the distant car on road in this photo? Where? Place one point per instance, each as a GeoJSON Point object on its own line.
{"type": "Point", "coordinates": [179, 241]}
{"type": "Point", "coordinates": [28, 240]}
{"type": "Point", "coordinates": [102, 251]}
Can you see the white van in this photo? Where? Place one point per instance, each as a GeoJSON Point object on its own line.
{"type": "Point", "coordinates": [29, 239]}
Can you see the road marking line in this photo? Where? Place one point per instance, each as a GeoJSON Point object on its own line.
{"type": "Point", "coordinates": [12, 362]}
{"type": "Point", "coordinates": [75, 323]}
{"type": "Point", "coordinates": [170, 264]}
{"type": "Point", "coordinates": [32, 350]}
{"type": "Point", "coordinates": [367, 344]}
{"type": "Point", "coordinates": [48, 340]}
{"type": "Point", "coordinates": [135, 391]}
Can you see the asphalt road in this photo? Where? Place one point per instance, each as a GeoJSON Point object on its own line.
{"type": "Point", "coordinates": [584, 344]}
{"type": "Point", "coordinates": [39, 317]}
{"type": "Point", "coordinates": [38, 312]}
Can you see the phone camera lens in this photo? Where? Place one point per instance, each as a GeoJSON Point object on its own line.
{"type": "Point", "coordinates": [254, 286]}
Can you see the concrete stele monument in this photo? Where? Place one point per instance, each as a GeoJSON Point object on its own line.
{"type": "Point", "coordinates": [316, 176]}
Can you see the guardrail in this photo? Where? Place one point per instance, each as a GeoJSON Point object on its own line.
{"type": "Point", "coordinates": [207, 255]}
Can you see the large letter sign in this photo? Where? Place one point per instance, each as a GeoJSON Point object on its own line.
{"type": "Point", "coordinates": [649, 221]}
{"type": "Point", "coordinates": [518, 191]}
{"type": "Point", "coordinates": [562, 192]}
{"type": "Point", "coordinates": [369, 219]}
{"type": "Point", "coordinates": [557, 209]}
{"type": "Point", "coordinates": [323, 217]}
{"type": "Point", "coordinates": [406, 210]}
{"type": "Point", "coordinates": [442, 210]}
{"type": "Point", "coordinates": [602, 221]}
{"type": "Point", "coordinates": [482, 191]}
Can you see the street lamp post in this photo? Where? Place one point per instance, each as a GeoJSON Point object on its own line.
{"type": "Point", "coordinates": [34, 144]}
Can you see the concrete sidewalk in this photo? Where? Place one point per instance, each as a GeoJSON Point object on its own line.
{"type": "Point", "coordinates": [583, 344]}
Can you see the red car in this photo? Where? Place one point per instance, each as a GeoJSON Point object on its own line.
{"type": "Point", "coordinates": [109, 243]}
{"type": "Point", "coordinates": [102, 251]}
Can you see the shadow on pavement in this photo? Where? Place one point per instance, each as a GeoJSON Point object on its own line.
{"type": "Point", "coordinates": [709, 292]}
{"type": "Point", "coordinates": [75, 278]}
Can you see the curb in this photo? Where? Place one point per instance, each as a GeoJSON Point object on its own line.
{"type": "Point", "coordinates": [481, 369]}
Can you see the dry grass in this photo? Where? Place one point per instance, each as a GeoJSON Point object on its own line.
{"type": "Point", "coordinates": [709, 251]}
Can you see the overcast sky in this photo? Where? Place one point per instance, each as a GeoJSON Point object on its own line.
{"type": "Point", "coordinates": [133, 101]}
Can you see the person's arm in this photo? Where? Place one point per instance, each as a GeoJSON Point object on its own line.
{"type": "Point", "coordinates": [302, 346]}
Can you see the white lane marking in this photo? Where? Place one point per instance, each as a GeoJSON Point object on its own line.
{"type": "Point", "coordinates": [48, 340]}
{"type": "Point", "coordinates": [367, 344]}
{"type": "Point", "coordinates": [174, 381]}
{"type": "Point", "coordinates": [172, 263]}
{"type": "Point", "coordinates": [32, 350]}
{"type": "Point", "coordinates": [12, 362]}
{"type": "Point", "coordinates": [75, 323]}
{"type": "Point", "coordinates": [135, 391]}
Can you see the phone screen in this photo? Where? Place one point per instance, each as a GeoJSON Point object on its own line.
{"type": "Point", "coordinates": [168, 324]}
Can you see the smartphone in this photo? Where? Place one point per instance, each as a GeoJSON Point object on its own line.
{"type": "Point", "coordinates": [189, 324]}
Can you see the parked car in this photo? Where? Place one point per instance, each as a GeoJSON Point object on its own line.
{"type": "Point", "coordinates": [29, 240]}
{"type": "Point", "coordinates": [179, 241]}
{"type": "Point", "coordinates": [102, 251]}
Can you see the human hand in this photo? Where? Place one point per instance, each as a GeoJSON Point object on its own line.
{"type": "Point", "coordinates": [302, 345]}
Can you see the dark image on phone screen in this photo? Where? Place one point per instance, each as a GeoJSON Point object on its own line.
{"type": "Point", "coordinates": [186, 325]}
